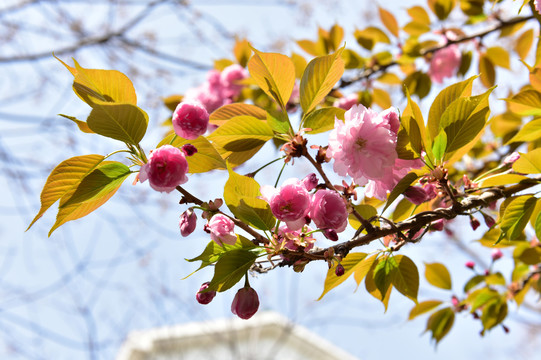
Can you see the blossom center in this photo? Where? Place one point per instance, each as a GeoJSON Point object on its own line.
{"type": "Point", "coordinates": [361, 143]}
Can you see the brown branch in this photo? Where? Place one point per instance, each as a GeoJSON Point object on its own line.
{"type": "Point", "coordinates": [375, 69]}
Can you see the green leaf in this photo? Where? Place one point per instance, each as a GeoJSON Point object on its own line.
{"type": "Point", "coordinates": [537, 226]}
{"type": "Point", "coordinates": [363, 268]}
{"type": "Point", "coordinates": [442, 8]}
{"type": "Point", "coordinates": [82, 125]}
{"type": "Point", "coordinates": [494, 313]}
{"type": "Point", "coordinates": [463, 119]}
{"type": "Point", "coordinates": [423, 307]}
{"type": "Point", "coordinates": [383, 273]}
{"type": "Point", "coordinates": [481, 297]}
{"type": "Point", "coordinates": [106, 177]}
{"type": "Point", "coordinates": [473, 282]}
{"type": "Point", "coordinates": [205, 159]}
{"type": "Point", "coordinates": [99, 87]}
{"type": "Point", "coordinates": [374, 287]}
{"type": "Point", "coordinates": [124, 122]}
{"type": "Point", "coordinates": [322, 120]}
{"type": "Point", "coordinates": [412, 122]}
{"type": "Point", "coordinates": [242, 133]}
{"type": "Point", "coordinates": [418, 83]}
{"type": "Point", "coordinates": [241, 197]}
{"type": "Point", "coordinates": [525, 103]}
{"type": "Point", "coordinates": [319, 78]}
{"type": "Point", "coordinates": [529, 163]}
{"type": "Point", "coordinates": [516, 216]}
{"type": "Point", "coordinates": [438, 275]}
{"type": "Point", "coordinates": [405, 277]}
{"type": "Point", "coordinates": [230, 111]}
{"type": "Point", "coordinates": [531, 131]}
{"type": "Point", "coordinates": [274, 74]}
{"type": "Point", "coordinates": [440, 323]}
{"type": "Point", "coordinates": [350, 264]}
{"type": "Point", "coordinates": [502, 179]}
{"type": "Point", "coordinates": [443, 100]}
{"type": "Point", "coordinates": [399, 189]}
{"type": "Point", "coordinates": [231, 268]}
{"type": "Point", "coordinates": [439, 146]}
{"type": "Point", "coordinates": [64, 178]}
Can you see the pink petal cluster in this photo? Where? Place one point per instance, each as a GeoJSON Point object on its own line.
{"type": "Point", "coordinates": [379, 188]}
{"type": "Point", "coordinates": [166, 168]}
{"type": "Point", "coordinates": [346, 102]}
{"type": "Point", "coordinates": [222, 230]}
{"type": "Point", "coordinates": [362, 146]}
{"type": "Point", "coordinates": [219, 88]}
{"type": "Point", "coordinates": [444, 63]}
{"type": "Point", "coordinates": [296, 239]}
{"type": "Point", "coordinates": [245, 303]}
{"type": "Point", "coordinates": [328, 210]}
{"type": "Point", "coordinates": [536, 6]}
{"type": "Point", "coordinates": [190, 120]}
{"type": "Point", "coordinates": [289, 203]}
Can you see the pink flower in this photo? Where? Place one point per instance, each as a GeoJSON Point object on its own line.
{"type": "Point", "coordinates": [362, 146]}
{"type": "Point", "coordinates": [209, 95]}
{"type": "Point", "coordinates": [444, 63]}
{"type": "Point", "coordinates": [346, 102]}
{"type": "Point", "coordinates": [379, 188]}
{"type": "Point", "coordinates": [295, 239]}
{"type": "Point", "coordinates": [166, 168]}
{"type": "Point", "coordinates": [289, 203]}
{"type": "Point", "coordinates": [536, 6]}
{"type": "Point", "coordinates": [221, 230]}
{"type": "Point", "coordinates": [245, 303]}
{"type": "Point", "coordinates": [190, 120]}
{"type": "Point", "coordinates": [391, 118]}
{"type": "Point", "coordinates": [205, 297]}
{"type": "Point", "coordinates": [229, 79]}
{"type": "Point", "coordinates": [329, 211]}
{"type": "Point", "coordinates": [187, 223]}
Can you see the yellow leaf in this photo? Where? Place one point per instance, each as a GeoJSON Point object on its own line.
{"type": "Point", "coordinates": [438, 275]}
{"type": "Point", "coordinates": [350, 263]}
{"type": "Point", "coordinates": [389, 21]}
{"type": "Point", "coordinates": [524, 44]}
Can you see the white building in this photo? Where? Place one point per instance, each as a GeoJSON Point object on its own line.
{"type": "Point", "coordinates": [267, 335]}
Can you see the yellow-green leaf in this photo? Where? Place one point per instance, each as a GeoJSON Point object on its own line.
{"type": "Point", "coordinates": [205, 159]}
{"type": "Point", "coordinates": [319, 78]}
{"type": "Point", "coordinates": [368, 37]}
{"type": "Point", "coordinates": [274, 74]}
{"type": "Point", "coordinates": [374, 287]}
{"type": "Point", "coordinates": [64, 178]}
{"type": "Point", "coordinates": [440, 323]}
{"type": "Point", "coordinates": [419, 14]}
{"type": "Point", "coordinates": [322, 120]}
{"type": "Point", "coordinates": [350, 264]}
{"type": "Point", "coordinates": [242, 133]}
{"type": "Point", "coordinates": [242, 51]}
{"type": "Point", "coordinates": [501, 179]}
{"type": "Point", "coordinates": [529, 163]}
{"type": "Point", "coordinates": [526, 102]}
{"type": "Point", "coordinates": [388, 19]}
{"type": "Point", "coordinates": [531, 131]}
{"type": "Point", "coordinates": [124, 122]}
{"type": "Point", "coordinates": [231, 268]}
{"type": "Point", "coordinates": [405, 277]}
{"type": "Point", "coordinates": [227, 112]}
{"type": "Point", "coordinates": [498, 56]}
{"type": "Point", "coordinates": [241, 195]}
{"type": "Point", "coordinates": [94, 189]}
{"type": "Point", "coordinates": [300, 64]}
{"type": "Point", "coordinates": [82, 125]}
{"type": "Point", "coordinates": [438, 275]}
{"type": "Point", "coordinates": [423, 307]}
{"type": "Point", "coordinates": [365, 210]}
{"type": "Point", "coordinates": [399, 188]}
{"type": "Point", "coordinates": [442, 8]}
{"type": "Point", "coordinates": [487, 73]}
{"type": "Point", "coordinates": [516, 216]}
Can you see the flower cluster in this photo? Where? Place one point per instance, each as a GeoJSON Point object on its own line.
{"type": "Point", "coordinates": [220, 88]}
{"type": "Point", "coordinates": [363, 146]}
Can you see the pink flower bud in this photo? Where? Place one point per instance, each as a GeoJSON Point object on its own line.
{"type": "Point", "coordinates": [489, 220]}
{"type": "Point", "coordinates": [187, 222]}
{"type": "Point", "coordinates": [416, 195]}
{"type": "Point", "coordinates": [330, 234]}
{"type": "Point", "coordinates": [454, 301]}
{"type": "Point", "coordinates": [339, 271]}
{"type": "Point", "coordinates": [496, 254]}
{"type": "Point", "coordinates": [328, 210]}
{"type": "Point", "coordinates": [205, 297]}
{"type": "Point", "coordinates": [510, 159]}
{"type": "Point", "coordinates": [437, 225]}
{"type": "Point", "coordinates": [474, 223]}
{"type": "Point", "coordinates": [346, 102]}
{"type": "Point", "coordinates": [230, 78]}
{"type": "Point", "coordinates": [289, 203]}
{"type": "Point", "coordinates": [166, 168]}
{"type": "Point", "coordinates": [222, 230]}
{"type": "Point", "coordinates": [245, 303]}
{"type": "Point", "coordinates": [190, 120]}
{"type": "Point", "coordinates": [470, 264]}
{"type": "Point", "coordinates": [189, 149]}
{"type": "Point", "coordinates": [310, 182]}
{"type": "Point", "coordinates": [444, 63]}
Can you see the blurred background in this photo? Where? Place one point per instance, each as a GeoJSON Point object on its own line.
{"type": "Point", "coordinates": [79, 293]}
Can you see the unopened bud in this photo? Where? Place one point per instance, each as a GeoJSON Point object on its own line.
{"type": "Point", "coordinates": [454, 301]}
{"type": "Point", "coordinates": [489, 220]}
{"type": "Point", "coordinates": [470, 264]}
{"type": "Point", "coordinates": [310, 182]}
{"type": "Point", "coordinates": [415, 194]}
{"type": "Point", "coordinates": [511, 158]}
{"type": "Point", "coordinates": [189, 149]}
{"type": "Point", "coordinates": [331, 234]}
{"type": "Point", "coordinates": [496, 254]}
{"type": "Point", "coordinates": [474, 223]}
{"type": "Point", "coordinates": [205, 297]}
{"type": "Point", "coordinates": [339, 271]}
{"type": "Point", "coordinates": [245, 303]}
{"type": "Point", "coordinates": [187, 223]}
{"type": "Point", "coordinates": [437, 225]}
